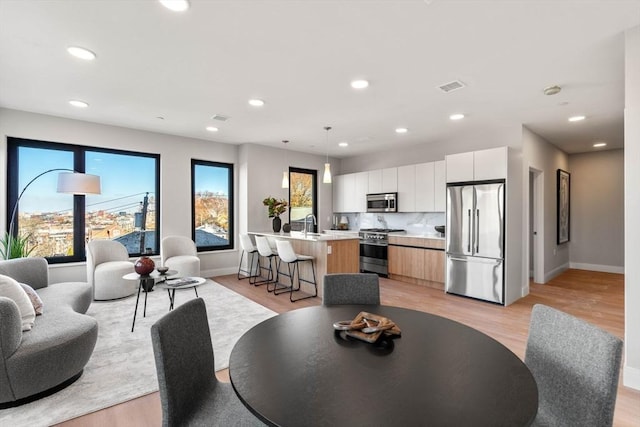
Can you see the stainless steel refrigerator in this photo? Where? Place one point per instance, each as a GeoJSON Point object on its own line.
{"type": "Point", "coordinates": [475, 240]}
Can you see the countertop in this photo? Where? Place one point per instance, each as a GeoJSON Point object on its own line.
{"type": "Point", "coordinates": [419, 236]}
{"type": "Point", "coordinates": [312, 237]}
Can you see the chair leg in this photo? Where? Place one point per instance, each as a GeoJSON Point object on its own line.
{"type": "Point", "coordinates": [281, 286]}
{"type": "Point", "coordinates": [269, 278]}
{"type": "Point", "coordinates": [314, 283]}
{"type": "Point", "coordinates": [250, 275]}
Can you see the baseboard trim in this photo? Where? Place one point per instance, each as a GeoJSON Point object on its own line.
{"type": "Point", "coordinates": [555, 272]}
{"type": "Point", "coordinates": [597, 267]}
{"type": "Point", "coordinates": [631, 377]}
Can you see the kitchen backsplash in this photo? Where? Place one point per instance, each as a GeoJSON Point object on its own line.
{"type": "Point", "coordinates": [413, 223]}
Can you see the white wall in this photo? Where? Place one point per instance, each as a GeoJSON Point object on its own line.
{"type": "Point", "coordinates": [261, 168]}
{"type": "Point", "coordinates": [597, 211]}
{"type": "Point", "coordinates": [631, 375]}
{"type": "Point", "coordinates": [175, 171]}
{"type": "Point", "coordinates": [543, 156]}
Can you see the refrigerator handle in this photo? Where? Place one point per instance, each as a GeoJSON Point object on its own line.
{"type": "Point", "coordinates": [469, 237]}
{"type": "Point", "coordinates": [477, 230]}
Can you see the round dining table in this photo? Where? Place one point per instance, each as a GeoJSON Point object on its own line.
{"type": "Point", "coordinates": [295, 369]}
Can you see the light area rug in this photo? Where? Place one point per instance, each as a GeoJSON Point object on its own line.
{"type": "Point", "coordinates": [122, 366]}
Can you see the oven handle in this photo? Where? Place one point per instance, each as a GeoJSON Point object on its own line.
{"type": "Point", "coordinates": [373, 244]}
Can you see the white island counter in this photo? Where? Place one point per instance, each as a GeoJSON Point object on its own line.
{"type": "Point", "coordinates": [333, 253]}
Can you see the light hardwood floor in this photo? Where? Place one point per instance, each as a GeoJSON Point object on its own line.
{"type": "Point", "coordinates": [595, 297]}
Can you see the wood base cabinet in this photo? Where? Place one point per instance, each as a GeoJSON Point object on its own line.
{"type": "Point", "coordinates": [417, 260]}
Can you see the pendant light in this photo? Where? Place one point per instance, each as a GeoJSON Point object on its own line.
{"type": "Point", "coordinates": [327, 167]}
{"type": "Point", "coordinates": [285, 174]}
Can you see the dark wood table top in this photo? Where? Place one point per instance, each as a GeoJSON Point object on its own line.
{"type": "Point", "coordinates": [295, 370]}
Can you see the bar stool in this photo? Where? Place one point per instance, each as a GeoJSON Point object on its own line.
{"type": "Point", "coordinates": [287, 255]}
{"type": "Point", "coordinates": [265, 251]}
{"type": "Point", "coordinates": [248, 248]}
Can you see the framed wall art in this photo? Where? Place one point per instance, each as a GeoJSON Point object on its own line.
{"type": "Point", "coordinates": [563, 205]}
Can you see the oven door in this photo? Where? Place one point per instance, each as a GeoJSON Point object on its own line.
{"type": "Point", "coordinates": [373, 258]}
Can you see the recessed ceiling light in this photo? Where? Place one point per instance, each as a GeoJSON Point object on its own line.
{"type": "Point", "coordinates": [176, 5]}
{"type": "Point", "coordinates": [82, 53]}
{"type": "Point", "coordinates": [402, 130]}
{"type": "Point", "coordinates": [551, 90]}
{"type": "Point", "coordinates": [457, 116]}
{"type": "Point", "coordinates": [212, 129]}
{"type": "Point", "coordinates": [343, 144]}
{"type": "Point", "coordinates": [576, 118]}
{"type": "Point", "coordinates": [256, 102]}
{"type": "Point", "coordinates": [79, 104]}
{"type": "Point", "coordinates": [600, 144]}
{"type": "Point", "coordinates": [359, 84]}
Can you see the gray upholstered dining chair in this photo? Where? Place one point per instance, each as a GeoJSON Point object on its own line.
{"type": "Point", "coordinates": [350, 288]}
{"type": "Point", "coordinates": [190, 393]}
{"type": "Point", "coordinates": [576, 366]}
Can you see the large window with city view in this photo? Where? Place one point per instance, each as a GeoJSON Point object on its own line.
{"type": "Point", "coordinates": [56, 225]}
{"type": "Point", "coordinates": [212, 191]}
{"type": "Point", "coordinates": [302, 198]}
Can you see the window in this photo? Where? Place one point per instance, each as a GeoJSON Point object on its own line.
{"type": "Point", "coordinates": [302, 197]}
{"type": "Point", "coordinates": [212, 205]}
{"type": "Point", "coordinates": [58, 225]}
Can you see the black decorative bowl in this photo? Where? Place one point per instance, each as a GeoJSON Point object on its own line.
{"type": "Point", "coordinates": [439, 228]}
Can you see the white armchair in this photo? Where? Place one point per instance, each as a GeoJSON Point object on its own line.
{"type": "Point", "coordinates": [180, 253]}
{"type": "Point", "coordinates": [107, 262]}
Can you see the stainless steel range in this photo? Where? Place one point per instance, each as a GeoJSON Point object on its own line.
{"type": "Point", "coordinates": [374, 243]}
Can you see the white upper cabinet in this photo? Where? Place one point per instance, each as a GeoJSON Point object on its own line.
{"type": "Point", "coordinates": [440, 187]}
{"type": "Point", "coordinates": [407, 195]}
{"type": "Point", "coordinates": [424, 187]}
{"type": "Point", "coordinates": [383, 181]}
{"type": "Point", "coordinates": [350, 192]}
{"type": "Point", "coordinates": [362, 188]}
{"type": "Point", "coordinates": [375, 181]}
{"type": "Point", "coordinates": [477, 165]}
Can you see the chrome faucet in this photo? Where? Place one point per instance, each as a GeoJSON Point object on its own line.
{"type": "Point", "coordinates": [313, 217]}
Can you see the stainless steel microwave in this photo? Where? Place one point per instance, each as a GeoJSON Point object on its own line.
{"type": "Point", "coordinates": [382, 202]}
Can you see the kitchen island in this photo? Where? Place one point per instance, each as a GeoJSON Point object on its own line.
{"type": "Point", "coordinates": [333, 253]}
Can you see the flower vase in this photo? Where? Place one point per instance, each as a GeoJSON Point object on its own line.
{"type": "Point", "coordinates": [276, 224]}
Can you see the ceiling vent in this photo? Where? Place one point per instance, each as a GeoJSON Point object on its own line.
{"type": "Point", "coordinates": [451, 86]}
{"type": "Point", "coordinates": [219, 118]}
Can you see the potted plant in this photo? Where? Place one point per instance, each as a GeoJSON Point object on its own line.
{"type": "Point", "coordinates": [276, 208]}
{"type": "Point", "coordinates": [15, 247]}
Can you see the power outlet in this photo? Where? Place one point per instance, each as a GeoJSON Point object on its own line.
{"type": "Point", "coordinates": [328, 249]}
{"type": "Point", "coordinates": [555, 251]}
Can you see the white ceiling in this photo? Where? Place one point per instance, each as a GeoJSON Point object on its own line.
{"type": "Point", "coordinates": [300, 56]}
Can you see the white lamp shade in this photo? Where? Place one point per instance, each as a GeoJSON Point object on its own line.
{"type": "Point", "coordinates": [326, 178]}
{"type": "Point", "coordinates": [78, 183]}
{"type": "Point", "coordinates": [285, 180]}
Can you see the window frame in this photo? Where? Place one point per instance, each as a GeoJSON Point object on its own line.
{"type": "Point", "coordinates": [79, 205]}
{"type": "Point", "coordinates": [314, 183]}
{"type": "Point", "coordinates": [231, 171]}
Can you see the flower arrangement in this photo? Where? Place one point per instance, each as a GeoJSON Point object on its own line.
{"type": "Point", "coordinates": [276, 207]}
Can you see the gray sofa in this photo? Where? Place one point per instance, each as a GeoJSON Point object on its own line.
{"type": "Point", "coordinates": [53, 354]}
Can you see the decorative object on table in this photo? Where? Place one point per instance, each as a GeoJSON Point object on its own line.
{"type": "Point", "coordinates": [276, 208]}
{"type": "Point", "coordinates": [440, 229]}
{"type": "Point", "coordinates": [144, 265]}
{"type": "Point", "coordinates": [286, 228]}
{"type": "Point", "coordinates": [162, 270]}
{"type": "Point", "coordinates": [70, 182]}
{"type": "Point", "coordinates": [563, 199]}
{"type": "Point", "coordinates": [344, 223]}
{"type": "Point", "coordinates": [368, 327]}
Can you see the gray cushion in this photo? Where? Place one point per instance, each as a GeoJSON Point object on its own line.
{"type": "Point", "coordinates": [351, 288]}
{"type": "Point", "coordinates": [576, 367]}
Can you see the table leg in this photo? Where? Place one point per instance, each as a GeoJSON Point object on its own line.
{"type": "Point", "coordinates": [173, 298]}
{"type": "Point", "coordinates": [196, 291]}
{"type": "Point", "coordinates": [133, 325]}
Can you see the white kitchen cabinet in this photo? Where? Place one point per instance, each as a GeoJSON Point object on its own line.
{"type": "Point", "coordinates": [362, 188]}
{"type": "Point", "coordinates": [407, 195]}
{"type": "Point", "coordinates": [477, 165]}
{"type": "Point", "coordinates": [439, 186]}
{"type": "Point", "coordinates": [389, 180]}
{"type": "Point", "coordinates": [424, 187]}
{"type": "Point", "coordinates": [348, 190]}
{"type": "Point", "coordinates": [375, 181]}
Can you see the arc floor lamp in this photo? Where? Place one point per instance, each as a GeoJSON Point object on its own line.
{"type": "Point", "coordinates": [69, 182]}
